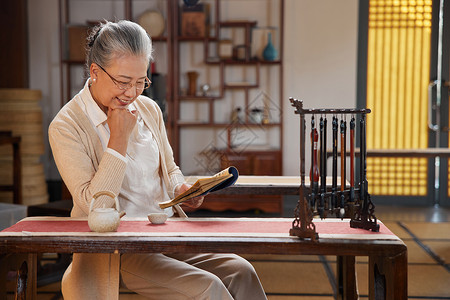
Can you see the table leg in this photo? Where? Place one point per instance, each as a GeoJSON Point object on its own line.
{"type": "Point", "coordinates": [388, 277]}
{"type": "Point", "coordinates": [24, 267]}
{"type": "Point", "coordinates": [346, 278]}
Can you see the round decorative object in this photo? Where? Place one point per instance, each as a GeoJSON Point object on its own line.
{"type": "Point", "coordinates": [205, 89]}
{"type": "Point", "coordinates": [256, 115]}
{"type": "Point", "coordinates": [153, 22]}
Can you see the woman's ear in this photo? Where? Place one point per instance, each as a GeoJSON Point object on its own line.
{"type": "Point", "coordinates": [93, 71]}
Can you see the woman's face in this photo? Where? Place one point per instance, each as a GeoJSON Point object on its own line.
{"type": "Point", "coordinates": [123, 70]}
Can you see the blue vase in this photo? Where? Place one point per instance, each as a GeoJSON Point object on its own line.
{"type": "Point", "coordinates": [269, 52]}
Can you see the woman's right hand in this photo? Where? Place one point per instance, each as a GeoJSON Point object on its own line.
{"type": "Point", "coordinates": [121, 122]}
{"type": "Point", "coordinates": [193, 202]}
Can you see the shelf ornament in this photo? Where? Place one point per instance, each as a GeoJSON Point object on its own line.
{"type": "Point", "coordinates": [269, 52]}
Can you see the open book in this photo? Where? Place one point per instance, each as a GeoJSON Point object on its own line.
{"type": "Point", "coordinates": [203, 186]}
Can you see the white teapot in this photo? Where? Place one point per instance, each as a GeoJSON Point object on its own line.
{"type": "Point", "coordinates": [104, 219]}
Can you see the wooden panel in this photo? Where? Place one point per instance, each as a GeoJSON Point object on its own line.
{"type": "Point", "coordinates": [76, 40]}
{"type": "Point", "coordinates": [242, 203]}
{"type": "Point", "coordinates": [14, 40]}
{"type": "Point", "coordinates": [267, 163]}
{"type": "Point", "coordinates": [253, 162]}
{"type": "Point", "coordinates": [242, 162]}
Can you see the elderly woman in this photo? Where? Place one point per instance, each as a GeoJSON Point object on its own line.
{"type": "Point", "coordinates": [111, 138]}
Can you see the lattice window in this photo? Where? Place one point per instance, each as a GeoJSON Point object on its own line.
{"type": "Point", "coordinates": [397, 79]}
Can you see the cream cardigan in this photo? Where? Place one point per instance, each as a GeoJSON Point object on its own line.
{"type": "Point", "coordinates": [87, 169]}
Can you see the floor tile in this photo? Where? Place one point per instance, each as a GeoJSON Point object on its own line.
{"type": "Point", "coordinates": [426, 230]}
{"type": "Point", "coordinates": [362, 259]}
{"type": "Point", "coordinates": [293, 278]}
{"type": "Point", "coordinates": [329, 258]}
{"type": "Point", "coordinates": [362, 277]}
{"type": "Point", "coordinates": [423, 280]}
{"type": "Point", "coordinates": [441, 249]}
{"type": "Point", "coordinates": [428, 281]}
{"type": "Point", "coordinates": [416, 254]}
{"type": "Point", "coordinates": [413, 213]}
{"type": "Point", "coordinates": [386, 214]}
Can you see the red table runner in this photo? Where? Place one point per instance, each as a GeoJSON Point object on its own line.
{"type": "Point", "coordinates": [237, 227]}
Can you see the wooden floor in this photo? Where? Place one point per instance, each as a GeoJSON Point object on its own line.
{"type": "Point", "coordinates": [426, 231]}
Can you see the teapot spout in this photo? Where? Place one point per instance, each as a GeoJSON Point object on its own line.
{"type": "Point", "coordinates": [122, 213]}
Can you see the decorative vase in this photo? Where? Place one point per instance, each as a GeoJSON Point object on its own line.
{"type": "Point", "coordinates": [192, 77]}
{"type": "Point", "coordinates": [269, 52]}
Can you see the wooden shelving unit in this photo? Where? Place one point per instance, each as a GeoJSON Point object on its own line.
{"type": "Point", "coordinates": [222, 64]}
{"type": "Point", "coordinates": [249, 162]}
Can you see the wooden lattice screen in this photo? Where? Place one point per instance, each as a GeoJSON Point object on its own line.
{"type": "Point", "coordinates": [397, 79]}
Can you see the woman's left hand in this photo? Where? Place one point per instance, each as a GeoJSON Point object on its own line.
{"type": "Point", "coordinates": [193, 202]}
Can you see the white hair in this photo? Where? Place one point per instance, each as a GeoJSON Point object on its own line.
{"type": "Point", "coordinates": [111, 39]}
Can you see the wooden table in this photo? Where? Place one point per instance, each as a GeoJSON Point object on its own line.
{"type": "Point", "coordinates": [387, 253]}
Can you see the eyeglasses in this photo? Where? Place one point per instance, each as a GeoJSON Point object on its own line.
{"type": "Point", "coordinates": [140, 85]}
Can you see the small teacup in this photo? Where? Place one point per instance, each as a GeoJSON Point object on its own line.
{"type": "Point", "coordinates": [157, 218]}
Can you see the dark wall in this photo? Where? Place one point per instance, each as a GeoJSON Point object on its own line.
{"type": "Point", "coordinates": [13, 44]}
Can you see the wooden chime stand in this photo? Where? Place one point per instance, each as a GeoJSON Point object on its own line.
{"type": "Point", "coordinates": [353, 202]}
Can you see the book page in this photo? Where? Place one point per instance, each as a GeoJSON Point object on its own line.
{"type": "Point", "coordinates": [222, 175]}
{"type": "Point", "coordinates": [200, 187]}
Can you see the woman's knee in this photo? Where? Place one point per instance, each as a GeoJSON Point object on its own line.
{"type": "Point", "coordinates": [240, 265]}
{"type": "Point", "coordinates": [209, 286]}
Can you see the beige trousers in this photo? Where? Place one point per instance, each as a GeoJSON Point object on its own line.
{"type": "Point", "coordinates": [190, 276]}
